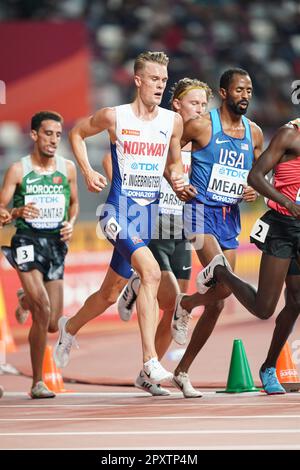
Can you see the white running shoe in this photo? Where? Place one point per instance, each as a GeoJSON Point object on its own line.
{"type": "Point", "coordinates": [180, 322]}
{"type": "Point", "coordinates": [20, 313]}
{"type": "Point", "coordinates": [64, 343]}
{"type": "Point", "coordinates": [40, 390]}
{"type": "Point", "coordinates": [205, 278]}
{"type": "Point", "coordinates": [155, 372]}
{"type": "Point", "coordinates": [128, 297]}
{"type": "Point", "coordinates": [182, 382]}
{"type": "Point", "coordinates": [153, 389]}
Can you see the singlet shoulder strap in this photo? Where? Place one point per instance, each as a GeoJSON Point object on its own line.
{"type": "Point", "coordinates": [61, 165]}
{"type": "Point", "coordinates": [27, 165]}
{"type": "Point", "coordinates": [247, 129]}
{"type": "Point", "coordinates": [215, 121]}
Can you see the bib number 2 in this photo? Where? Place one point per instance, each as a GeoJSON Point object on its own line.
{"type": "Point", "coordinates": [260, 230]}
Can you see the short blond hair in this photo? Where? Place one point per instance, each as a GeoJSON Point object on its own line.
{"type": "Point", "coordinates": [157, 57]}
{"type": "Point", "coordinates": [186, 84]}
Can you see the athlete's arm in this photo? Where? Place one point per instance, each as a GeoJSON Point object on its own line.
{"type": "Point", "coordinates": [196, 130]}
{"type": "Point", "coordinates": [174, 172]}
{"type": "Point", "coordinates": [258, 140]}
{"type": "Point", "coordinates": [286, 142]}
{"type": "Point", "coordinates": [12, 178]}
{"type": "Point", "coordinates": [249, 194]}
{"type": "Point", "coordinates": [174, 166]}
{"type": "Point", "coordinates": [107, 165]}
{"type": "Point", "coordinates": [104, 119]}
{"type": "Point", "coordinates": [5, 216]}
{"type": "Point", "coordinates": [67, 227]}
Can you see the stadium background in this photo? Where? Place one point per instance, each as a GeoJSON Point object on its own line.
{"type": "Point", "coordinates": [75, 56]}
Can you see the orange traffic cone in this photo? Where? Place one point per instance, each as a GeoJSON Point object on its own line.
{"type": "Point", "coordinates": [51, 375]}
{"type": "Point", "coordinates": [5, 334]}
{"type": "Point", "coordinates": [286, 370]}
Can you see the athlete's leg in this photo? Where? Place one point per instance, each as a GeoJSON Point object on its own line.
{"type": "Point", "coordinates": [55, 291]}
{"type": "Point", "coordinates": [167, 292]}
{"type": "Point", "coordinates": [205, 325]}
{"type": "Point", "coordinates": [262, 302]}
{"type": "Point", "coordinates": [38, 302]}
{"type": "Point", "coordinates": [210, 248]}
{"type": "Point", "coordinates": [183, 285]}
{"type": "Point", "coordinates": [148, 270]}
{"type": "Point", "coordinates": [98, 302]}
{"type": "Point", "coordinates": [285, 320]}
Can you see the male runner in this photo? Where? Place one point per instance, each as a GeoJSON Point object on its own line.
{"type": "Point", "coordinates": [43, 186]}
{"type": "Point", "coordinates": [170, 248]}
{"type": "Point", "coordinates": [225, 145]}
{"type": "Point", "coordinates": [145, 143]}
{"type": "Point", "coordinates": [277, 235]}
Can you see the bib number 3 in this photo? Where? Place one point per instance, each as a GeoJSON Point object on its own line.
{"type": "Point", "coordinates": [25, 254]}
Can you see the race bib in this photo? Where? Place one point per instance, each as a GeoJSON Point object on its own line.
{"type": "Point", "coordinates": [142, 179]}
{"type": "Point", "coordinates": [112, 228]}
{"type": "Point", "coordinates": [52, 210]}
{"type": "Point", "coordinates": [260, 230]}
{"type": "Point", "coordinates": [226, 184]}
{"type": "Point", "coordinates": [25, 254]}
{"type": "Point", "coordinates": [298, 197]}
{"type": "Point", "coordinates": [169, 203]}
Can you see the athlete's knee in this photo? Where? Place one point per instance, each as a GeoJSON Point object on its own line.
{"type": "Point", "coordinates": [107, 295]}
{"type": "Point", "coordinates": [40, 307]}
{"type": "Point", "coordinates": [293, 302]}
{"type": "Point", "coordinates": [151, 274]}
{"type": "Point", "coordinates": [215, 308]}
{"type": "Point", "coordinates": [265, 311]}
{"type": "Point", "coordinates": [53, 326]}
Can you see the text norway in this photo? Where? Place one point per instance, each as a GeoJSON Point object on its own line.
{"type": "Point", "coordinates": [144, 148]}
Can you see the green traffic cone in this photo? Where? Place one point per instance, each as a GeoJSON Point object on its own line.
{"type": "Point", "coordinates": [239, 377]}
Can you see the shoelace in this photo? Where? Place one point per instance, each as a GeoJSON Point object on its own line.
{"type": "Point", "coordinates": [183, 321]}
{"type": "Point", "coordinates": [271, 379]}
{"type": "Point", "coordinates": [69, 341]}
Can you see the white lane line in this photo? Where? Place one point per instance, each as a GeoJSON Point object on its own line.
{"type": "Point", "coordinates": [132, 394]}
{"type": "Point", "coordinates": [151, 405]}
{"type": "Point", "coordinates": [151, 433]}
{"type": "Point", "coordinates": [155, 418]}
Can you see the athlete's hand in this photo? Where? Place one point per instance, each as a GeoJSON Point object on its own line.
{"type": "Point", "coordinates": [5, 217]}
{"type": "Point", "coordinates": [293, 208]}
{"type": "Point", "coordinates": [187, 193]}
{"type": "Point", "coordinates": [177, 182]}
{"type": "Point", "coordinates": [95, 181]}
{"type": "Point", "coordinates": [66, 232]}
{"type": "Point", "coordinates": [249, 194]}
{"type": "Point", "coordinates": [28, 212]}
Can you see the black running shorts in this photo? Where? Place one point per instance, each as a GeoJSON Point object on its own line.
{"type": "Point", "coordinates": [169, 247]}
{"type": "Point", "coordinates": [46, 254]}
{"type": "Point", "coordinates": [278, 235]}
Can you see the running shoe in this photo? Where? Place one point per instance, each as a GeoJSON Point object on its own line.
{"type": "Point", "coordinates": [155, 372]}
{"type": "Point", "coordinates": [182, 382]}
{"type": "Point", "coordinates": [205, 279]}
{"type": "Point", "coordinates": [154, 389]}
{"type": "Point", "coordinates": [21, 313]}
{"type": "Point", "coordinates": [61, 352]}
{"type": "Point", "coordinates": [180, 322]}
{"type": "Point", "coordinates": [128, 297]}
{"type": "Point", "coordinates": [40, 390]}
{"type": "Point", "coordinates": [270, 381]}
